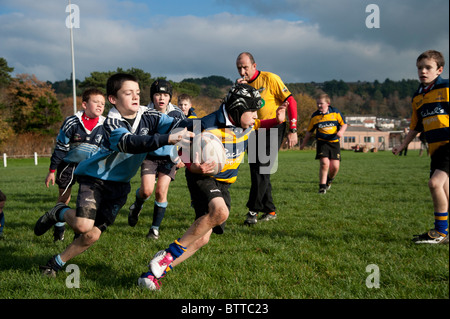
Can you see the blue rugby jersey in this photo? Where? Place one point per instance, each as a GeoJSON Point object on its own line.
{"type": "Point", "coordinates": [431, 113]}
{"type": "Point", "coordinates": [124, 146]}
{"type": "Point", "coordinates": [75, 142]}
{"type": "Point", "coordinates": [326, 125]}
{"type": "Point", "coordinates": [234, 139]}
{"type": "Point", "coordinates": [166, 151]}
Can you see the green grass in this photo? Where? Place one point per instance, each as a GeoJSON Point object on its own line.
{"type": "Point", "coordinates": [318, 248]}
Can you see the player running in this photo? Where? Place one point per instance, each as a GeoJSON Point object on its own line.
{"type": "Point", "coordinates": [232, 123]}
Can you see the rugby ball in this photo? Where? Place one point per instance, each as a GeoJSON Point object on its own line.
{"type": "Point", "coordinates": [211, 149]}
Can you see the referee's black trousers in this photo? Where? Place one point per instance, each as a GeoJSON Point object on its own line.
{"type": "Point", "coordinates": [260, 197]}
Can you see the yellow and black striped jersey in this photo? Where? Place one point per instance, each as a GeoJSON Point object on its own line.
{"type": "Point", "coordinates": [327, 125]}
{"type": "Point", "coordinates": [431, 113]}
{"type": "Point", "coordinates": [234, 139]}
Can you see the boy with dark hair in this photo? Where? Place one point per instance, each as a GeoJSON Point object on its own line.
{"type": "Point", "coordinates": [80, 136]}
{"type": "Point", "coordinates": [157, 170]}
{"type": "Point", "coordinates": [430, 115]}
{"type": "Point", "coordinates": [131, 131]}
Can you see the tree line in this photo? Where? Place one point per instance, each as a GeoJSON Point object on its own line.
{"type": "Point", "coordinates": [30, 105]}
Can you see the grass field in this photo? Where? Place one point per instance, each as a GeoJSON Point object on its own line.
{"type": "Point", "coordinates": [318, 248]}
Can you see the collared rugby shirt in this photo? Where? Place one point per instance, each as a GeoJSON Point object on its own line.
{"type": "Point", "coordinates": [430, 113]}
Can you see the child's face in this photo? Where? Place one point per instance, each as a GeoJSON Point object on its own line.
{"type": "Point", "coordinates": [322, 105]}
{"type": "Point", "coordinates": [185, 106]}
{"type": "Point", "coordinates": [161, 100]}
{"type": "Point", "coordinates": [95, 106]}
{"type": "Point", "coordinates": [2, 205]}
{"type": "Point", "coordinates": [248, 119]}
{"type": "Point", "coordinates": [428, 71]}
{"type": "Point", "coordinates": [127, 101]}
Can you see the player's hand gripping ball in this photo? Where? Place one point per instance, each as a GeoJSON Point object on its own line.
{"type": "Point", "coordinates": [210, 149]}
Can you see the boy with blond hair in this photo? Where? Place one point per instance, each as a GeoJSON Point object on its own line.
{"type": "Point", "coordinates": [185, 104]}
{"type": "Point", "coordinates": [430, 115]}
{"type": "Point", "coordinates": [330, 126]}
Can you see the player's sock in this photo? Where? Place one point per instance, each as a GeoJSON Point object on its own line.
{"type": "Point", "coordinates": [176, 249]}
{"type": "Point", "coordinates": [441, 223]}
{"type": "Point", "coordinates": [60, 215]}
{"type": "Point", "coordinates": [329, 180]}
{"type": "Point", "coordinates": [159, 209]}
{"type": "Point", "coordinates": [139, 200]}
{"type": "Point", "coordinates": [59, 261]}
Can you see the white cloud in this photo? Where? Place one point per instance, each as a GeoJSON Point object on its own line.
{"type": "Point", "coordinates": [324, 46]}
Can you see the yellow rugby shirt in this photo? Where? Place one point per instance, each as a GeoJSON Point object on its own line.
{"type": "Point", "coordinates": [234, 139]}
{"type": "Point", "coordinates": [273, 93]}
{"type": "Point", "coordinates": [430, 114]}
{"type": "Point", "coordinates": [327, 125]}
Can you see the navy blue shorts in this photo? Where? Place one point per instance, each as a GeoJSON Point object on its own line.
{"type": "Point", "coordinates": [203, 189]}
{"type": "Point", "coordinates": [440, 159]}
{"type": "Point", "coordinates": [327, 149]}
{"type": "Point", "coordinates": [101, 200]}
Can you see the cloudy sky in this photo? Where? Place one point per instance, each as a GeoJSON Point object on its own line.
{"type": "Point", "coordinates": [300, 40]}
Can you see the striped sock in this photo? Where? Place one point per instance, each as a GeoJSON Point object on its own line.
{"type": "Point", "coordinates": [59, 261]}
{"type": "Point", "coordinates": [441, 223]}
{"type": "Point", "coordinates": [176, 249]}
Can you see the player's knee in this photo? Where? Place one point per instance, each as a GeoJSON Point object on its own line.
{"type": "Point", "coordinates": [91, 237]}
{"type": "Point", "coordinates": [202, 242]}
{"type": "Point", "coordinates": [433, 184]}
{"type": "Point", "coordinates": [220, 215]}
{"type": "Point", "coordinates": [145, 193]}
{"type": "Point", "coordinates": [83, 225]}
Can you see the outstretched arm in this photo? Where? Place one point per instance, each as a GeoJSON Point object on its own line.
{"type": "Point", "coordinates": [408, 138]}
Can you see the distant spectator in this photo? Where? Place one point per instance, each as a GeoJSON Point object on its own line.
{"type": "Point", "coordinates": [405, 150]}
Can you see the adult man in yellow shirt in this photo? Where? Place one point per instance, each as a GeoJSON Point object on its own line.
{"type": "Point", "coordinates": [274, 93]}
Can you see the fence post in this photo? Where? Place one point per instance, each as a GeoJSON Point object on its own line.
{"type": "Point", "coordinates": [4, 160]}
{"type": "Point", "coordinates": [35, 159]}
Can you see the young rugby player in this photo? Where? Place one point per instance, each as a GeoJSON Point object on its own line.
{"type": "Point", "coordinates": [430, 115]}
{"type": "Point", "coordinates": [330, 126]}
{"type": "Point", "coordinates": [185, 104]}
{"type": "Point", "coordinates": [158, 165]}
{"type": "Point", "coordinates": [80, 136]}
{"type": "Point", "coordinates": [232, 123]}
{"type": "Point", "coordinates": [131, 131]}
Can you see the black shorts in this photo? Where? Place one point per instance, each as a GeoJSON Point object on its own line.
{"type": "Point", "coordinates": [327, 149]}
{"type": "Point", "coordinates": [152, 166]}
{"type": "Point", "coordinates": [64, 175]}
{"type": "Point", "coordinates": [101, 200]}
{"type": "Point", "coordinates": [203, 189]}
{"type": "Point", "coordinates": [440, 159]}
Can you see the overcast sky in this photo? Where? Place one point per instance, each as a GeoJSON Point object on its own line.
{"type": "Point", "coordinates": [300, 40]}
